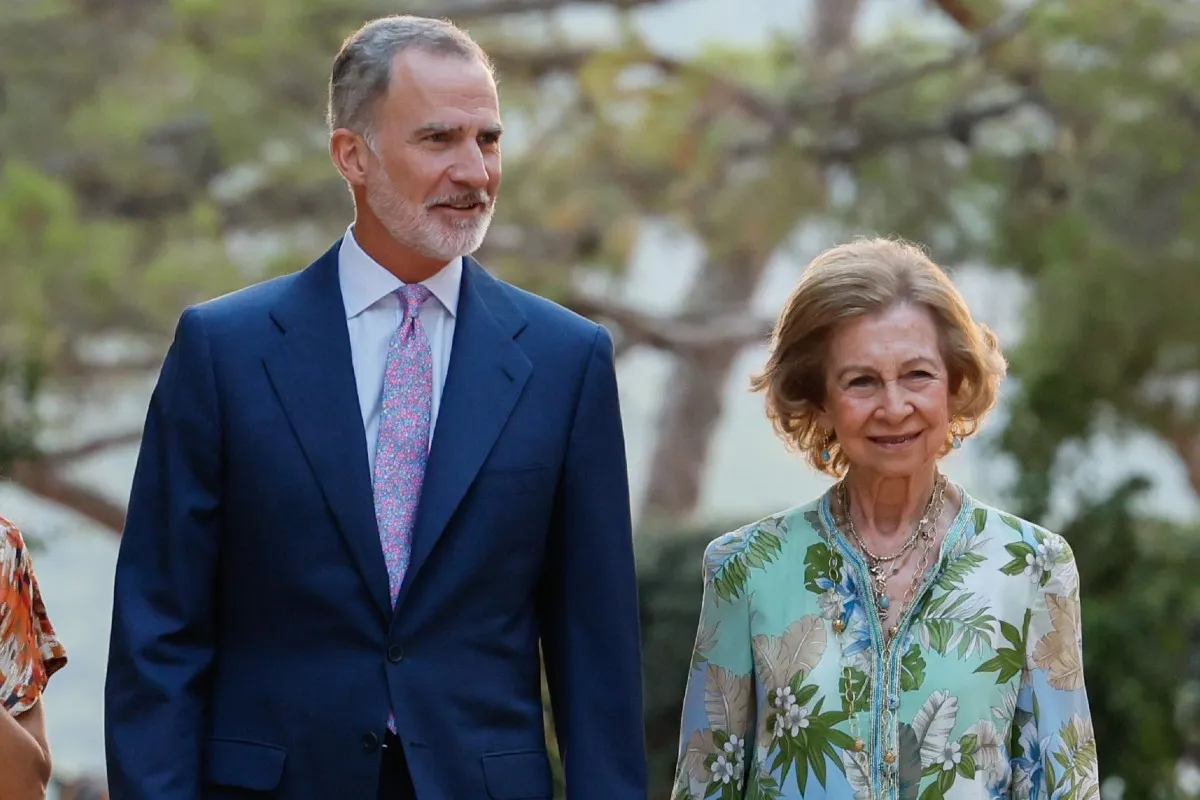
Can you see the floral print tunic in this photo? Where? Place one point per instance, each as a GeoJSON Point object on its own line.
{"type": "Point", "coordinates": [981, 694]}
{"type": "Point", "coordinates": [29, 649]}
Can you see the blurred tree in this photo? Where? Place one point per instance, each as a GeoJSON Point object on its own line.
{"type": "Point", "coordinates": [192, 161]}
{"type": "Point", "coordinates": [159, 152]}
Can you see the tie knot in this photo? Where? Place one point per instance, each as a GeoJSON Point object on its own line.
{"type": "Point", "coordinates": [412, 297]}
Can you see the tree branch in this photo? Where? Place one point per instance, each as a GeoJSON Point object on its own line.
{"type": "Point", "coordinates": [478, 9]}
{"type": "Point", "coordinates": [57, 459]}
{"type": "Point", "coordinates": [74, 367]}
{"type": "Point", "coordinates": [1186, 441]}
{"type": "Point", "coordinates": [538, 63]}
{"type": "Point", "coordinates": [873, 136]}
{"type": "Point", "coordinates": [678, 336]}
{"type": "Point", "coordinates": [42, 476]}
{"type": "Point", "coordinates": [957, 124]}
{"type": "Point", "coordinates": [857, 87]}
{"type": "Point", "coordinates": [42, 480]}
{"type": "Point", "coordinates": [972, 21]}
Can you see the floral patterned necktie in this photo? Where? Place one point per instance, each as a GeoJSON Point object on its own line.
{"type": "Point", "coordinates": [403, 441]}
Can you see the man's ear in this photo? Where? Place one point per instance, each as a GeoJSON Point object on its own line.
{"type": "Point", "coordinates": [350, 155]}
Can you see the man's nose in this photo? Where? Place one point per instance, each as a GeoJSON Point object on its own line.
{"type": "Point", "coordinates": [471, 167]}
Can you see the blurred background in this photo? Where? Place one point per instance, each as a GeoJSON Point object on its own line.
{"type": "Point", "coordinates": [671, 166]}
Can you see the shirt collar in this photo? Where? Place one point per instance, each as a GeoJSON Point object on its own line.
{"type": "Point", "coordinates": [365, 282]}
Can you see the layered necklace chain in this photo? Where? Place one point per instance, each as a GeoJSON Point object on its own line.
{"type": "Point", "coordinates": [881, 568]}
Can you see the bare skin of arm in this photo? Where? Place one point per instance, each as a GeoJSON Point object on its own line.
{"type": "Point", "coordinates": [25, 754]}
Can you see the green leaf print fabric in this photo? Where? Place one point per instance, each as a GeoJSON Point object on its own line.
{"type": "Point", "coordinates": [981, 695]}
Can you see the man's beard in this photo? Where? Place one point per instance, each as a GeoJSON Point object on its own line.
{"type": "Point", "coordinates": [415, 227]}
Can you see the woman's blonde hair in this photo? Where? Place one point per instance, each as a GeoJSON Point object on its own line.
{"type": "Point", "coordinates": [851, 280]}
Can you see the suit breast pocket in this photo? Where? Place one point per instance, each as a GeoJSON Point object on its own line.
{"type": "Point", "coordinates": [513, 481]}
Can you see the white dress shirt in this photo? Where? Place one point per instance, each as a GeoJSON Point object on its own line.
{"type": "Point", "coordinates": [372, 316]}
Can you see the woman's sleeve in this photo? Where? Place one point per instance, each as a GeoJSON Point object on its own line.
{"type": "Point", "coordinates": [30, 651]}
{"type": "Point", "coordinates": [718, 706]}
{"type": "Point", "coordinates": [1054, 747]}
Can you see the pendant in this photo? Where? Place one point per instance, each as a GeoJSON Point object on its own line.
{"type": "Point", "coordinates": [879, 578]}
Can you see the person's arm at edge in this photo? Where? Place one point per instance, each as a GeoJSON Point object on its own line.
{"type": "Point", "coordinates": [163, 606]}
{"type": "Point", "coordinates": [25, 754]}
{"type": "Point", "coordinates": [591, 632]}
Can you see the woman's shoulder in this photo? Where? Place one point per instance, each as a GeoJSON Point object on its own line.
{"type": "Point", "coordinates": [30, 651]}
{"type": "Point", "coordinates": [1023, 550]}
{"type": "Point", "coordinates": [1010, 528]}
{"type": "Point", "coordinates": [759, 543]}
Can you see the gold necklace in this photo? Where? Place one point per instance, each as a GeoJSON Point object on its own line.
{"type": "Point", "coordinates": [876, 563]}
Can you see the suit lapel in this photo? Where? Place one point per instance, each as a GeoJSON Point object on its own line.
{"type": "Point", "coordinates": [487, 373]}
{"type": "Point", "coordinates": [313, 375]}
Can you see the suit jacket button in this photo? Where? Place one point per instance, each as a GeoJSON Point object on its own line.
{"type": "Point", "coordinates": [370, 742]}
{"type": "Point", "coordinates": [395, 654]}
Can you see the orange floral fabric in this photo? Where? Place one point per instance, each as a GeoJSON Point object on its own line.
{"type": "Point", "coordinates": [29, 649]}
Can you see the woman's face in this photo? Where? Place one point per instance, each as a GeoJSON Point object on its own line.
{"type": "Point", "coordinates": [888, 392]}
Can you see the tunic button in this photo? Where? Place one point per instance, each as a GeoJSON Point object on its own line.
{"type": "Point", "coordinates": [839, 626]}
{"type": "Point", "coordinates": [889, 757]}
{"type": "Point", "coordinates": [859, 745]}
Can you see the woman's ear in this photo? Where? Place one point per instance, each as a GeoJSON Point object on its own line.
{"type": "Point", "coordinates": [823, 420]}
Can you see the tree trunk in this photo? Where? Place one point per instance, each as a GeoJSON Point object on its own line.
{"type": "Point", "coordinates": [696, 388]}
{"type": "Point", "coordinates": [1187, 444]}
{"type": "Point", "coordinates": [46, 482]}
{"type": "Point", "coordinates": [833, 26]}
{"type": "Point", "coordinates": [695, 398]}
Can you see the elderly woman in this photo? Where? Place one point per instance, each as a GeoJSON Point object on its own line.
{"type": "Point", "coordinates": [29, 654]}
{"type": "Point", "coordinates": [895, 638]}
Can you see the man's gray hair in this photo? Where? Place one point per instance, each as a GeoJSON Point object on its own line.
{"type": "Point", "coordinates": [362, 70]}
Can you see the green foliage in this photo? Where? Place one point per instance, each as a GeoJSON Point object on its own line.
{"type": "Point", "coordinates": [670, 583]}
{"type": "Point", "coordinates": [1141, 616]}
{"type": "Point", "coordinates": [1102, 219]}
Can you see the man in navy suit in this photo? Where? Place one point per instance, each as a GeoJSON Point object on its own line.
{"type": "Point", "coordinates": [373, 494]}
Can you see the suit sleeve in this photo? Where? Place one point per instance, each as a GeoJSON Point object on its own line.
{"type": "Point", "coordinates": [161, 646]}
{"type": "Point", "coordinates": [591, 637]}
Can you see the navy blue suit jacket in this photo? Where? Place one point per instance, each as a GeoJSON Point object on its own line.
{"type": "Point", "coordinates": [253, 645]}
